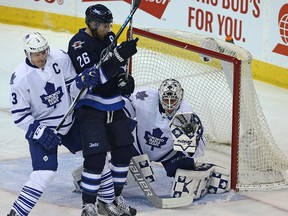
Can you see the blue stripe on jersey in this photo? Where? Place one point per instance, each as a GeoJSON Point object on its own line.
{"type": "Point", "coordinates": [105, 104]}
{"type": "Point", "coordinates": [63, 126]}
{"type": "Point", "coordinates": [68, 82]}
{"type": "Point", "coordinates": [22, 118]}
{"type": "Point", "coordinates": [104, 107]}
{"type": "Point", "coordinates": [20, 110]}
{"type": "Point", "coordinates": [51, 118]}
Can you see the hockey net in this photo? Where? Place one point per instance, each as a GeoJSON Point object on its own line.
{"type": "Point", "coordinates": [222, 93]}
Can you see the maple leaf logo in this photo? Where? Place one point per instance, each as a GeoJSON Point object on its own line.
{"type": "Point", "coordinates": [155, 140]}
{"type": "Point", "coordinates": [53, 96]}
{"type": "Point", "coordinates": [141, 95]}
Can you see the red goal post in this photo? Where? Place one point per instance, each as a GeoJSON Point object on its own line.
{"type": "Point", "coordinates": [222, 93]}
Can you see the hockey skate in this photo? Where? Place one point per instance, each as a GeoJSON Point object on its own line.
{"type": "Point", "coordinates": [123, 206]}
{"type": "Point", "coordinates": [109, 209]}
{"type": "Point", "coordinates": [89, 209]}
{"type": "Point", "coordinates": [12, 213]}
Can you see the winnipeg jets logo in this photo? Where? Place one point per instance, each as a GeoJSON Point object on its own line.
{"type": "Point", "coordinates": [53, 96]}
{"type": "Point", "coordinates": [78, 44]}
{"type": "Point", "coordinates": [155, 140]}
{"type": "Point", "coordinates": [141, 95]}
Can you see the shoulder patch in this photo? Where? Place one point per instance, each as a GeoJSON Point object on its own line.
{"type": "Point", "coordinates": [78, 44]}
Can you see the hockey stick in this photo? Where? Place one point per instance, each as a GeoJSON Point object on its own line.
{"type": "Point", "coordinates": [129, 38]}
{"type": "Point", "coordinates": [106, 53]}
{"type": "Point", "coordinates": [159, 202]}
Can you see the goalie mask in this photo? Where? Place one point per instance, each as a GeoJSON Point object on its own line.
{"type": "Point", "coordinates": [171, 95]}
{"type": "Point", "coordinates": [34, 43]}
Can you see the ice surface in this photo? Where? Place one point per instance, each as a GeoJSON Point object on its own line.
{"type": "Point", "coordinates": [15, 164]}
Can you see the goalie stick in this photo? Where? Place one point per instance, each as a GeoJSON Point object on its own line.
{"type": "Point", "coordinates": [159, 202]}
{"type": "Point", "coordinates": [105, 55]}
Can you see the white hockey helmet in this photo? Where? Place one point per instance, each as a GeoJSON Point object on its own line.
{"type": "Point", "coordinates": [34, 43]}
{"type": "Point", "coordinates": [171, 95]}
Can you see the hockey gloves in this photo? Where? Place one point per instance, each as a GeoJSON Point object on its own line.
{"type": "Point", "coordinates": [124, 51]}
{"type": "Point", "coordinates": [90, 77]}
{"type": "Point", "coordinates": [126, 86]}
{"type": "Point", "coordinates": [45, 136]}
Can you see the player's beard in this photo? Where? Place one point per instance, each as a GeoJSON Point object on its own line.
{"type": "Point", "coordinates": [97, 35]}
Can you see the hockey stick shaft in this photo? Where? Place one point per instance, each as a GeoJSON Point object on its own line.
{"type": "Point", "coordinates": [146, 188]}
{"type": "Point", "coordinates": [72, 106]}
{"type": "Point", "coordinates": [130, 33]}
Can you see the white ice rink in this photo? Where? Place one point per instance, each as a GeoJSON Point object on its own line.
{"type": "Point", "coordinates": [59, 200]}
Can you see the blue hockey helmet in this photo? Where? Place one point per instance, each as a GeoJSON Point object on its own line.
{"type": "Point", "coordinates": [99, 14]}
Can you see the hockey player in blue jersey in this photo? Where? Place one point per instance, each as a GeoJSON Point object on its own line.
{"type": "Point", "coordinates": [104, 125]}
{"type": "Point", "coordinates": [40, 96]}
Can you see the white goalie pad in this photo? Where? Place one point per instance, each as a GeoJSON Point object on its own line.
{"type": "Point", "coordinates": [192, 182]}
{"type": "Point", "coordinates": [76, 174]}
{"type": "Point", "coordinates": [145, 165]}
{"type": "Point", "coordinates": [219, 182]}
{"type": "Point", "coordinates": [186, 130]}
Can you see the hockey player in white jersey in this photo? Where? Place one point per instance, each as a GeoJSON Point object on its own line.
{"type": "Point", "coordinates": [156, 111]}
{"type": "Point", "coordinates": [153, 109]}
{"type": "Point", "coordinates": [39, 99]}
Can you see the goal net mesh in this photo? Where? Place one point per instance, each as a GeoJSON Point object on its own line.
{"type": "Point", "coordinates": [209, 88]}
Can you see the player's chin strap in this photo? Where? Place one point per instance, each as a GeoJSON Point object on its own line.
{"type": "Point", "coordinates": [159, 202]}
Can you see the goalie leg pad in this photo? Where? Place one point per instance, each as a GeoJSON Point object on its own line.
{"type": "Point", "coordinates": [76, 174]}
{"type": "Point", "coordinates": [219, 182]}
{"type": "Point", "coordinates": [145, 165]}
{"type": "Point", "coordinates": [192, 182]}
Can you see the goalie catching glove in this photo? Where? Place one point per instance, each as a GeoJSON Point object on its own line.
{"type": "Point", "coordinates": [126, 86]}
{"type": "Point", "coordinates": [124, 51]}
{"type": "Point", "coordinates": [45, 136]}
{"type": "Point", "coordinates": [90, 77]}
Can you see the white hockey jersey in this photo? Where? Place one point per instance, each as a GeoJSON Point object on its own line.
{"type": "Point", "coordinates": [42, 94]}
{"type": "Point", "coordinates": [153, 132]}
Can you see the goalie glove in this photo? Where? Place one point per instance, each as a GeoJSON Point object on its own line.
{"type": "Point", "coordinates": [186, 130]}
{"type": "Point", "coordinates": [45, 136]}
{"type": "Point", "coordinates": [124, 51]}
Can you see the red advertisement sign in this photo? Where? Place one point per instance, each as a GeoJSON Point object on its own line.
{"type": "Point", "coordinates": [154, 7]}
{"type": "Point", "coordinates": [283, 30]}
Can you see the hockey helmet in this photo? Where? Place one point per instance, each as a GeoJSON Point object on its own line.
{"type": "Point", "coordinates": [171, 95]}
{"type": "Point", "coordinates": [99, 14]}
{"type": "Point", "coordinates": [34, 43]}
